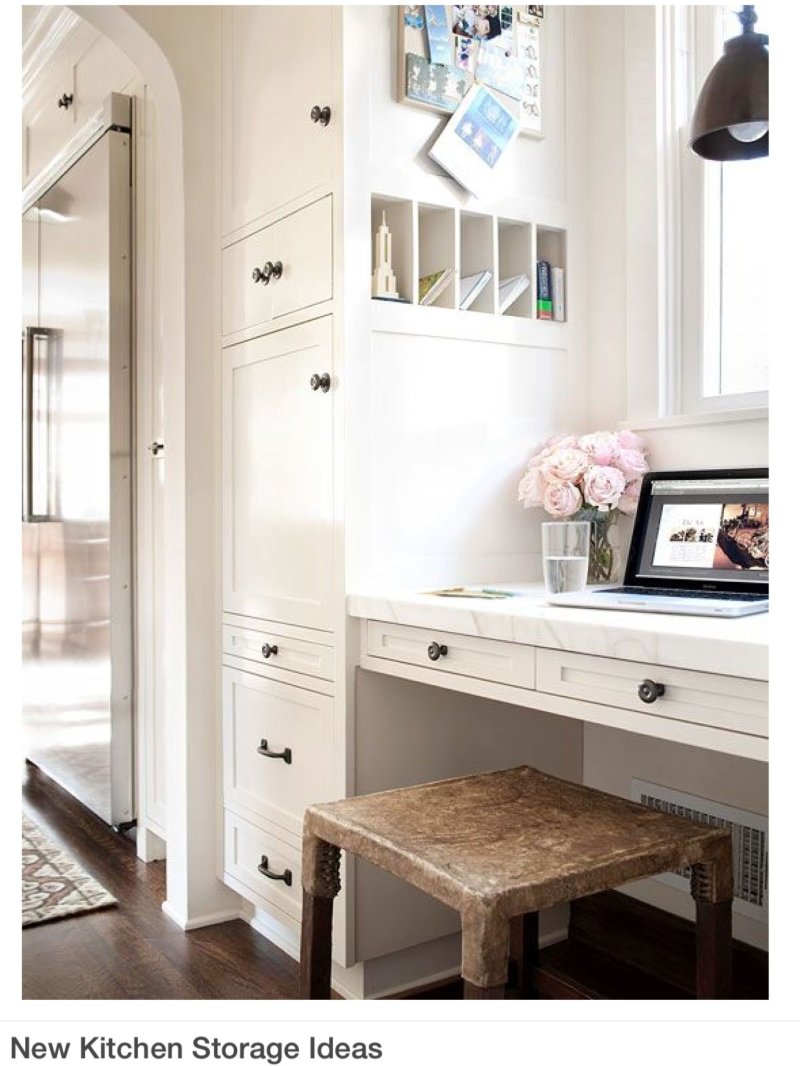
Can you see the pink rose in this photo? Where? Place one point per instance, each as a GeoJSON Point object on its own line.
{"type": "Point", "coordinates": [602, 486]}
{"type": "Point", "coordinates": [531, 487]}
{"type": "Point", "coordinates": [632, 463]}
{"type": "Point", "coordinates": [601, 447]}
{"type": "Point", "coordinates": [629, 500]}
{"type": "Point", "coordinates": [561, 499]}
{"type": "Point", "coordinates": [626, 439]}
{"type": "Point", "coordinates": [551, 445]}
{"type": "Point", "coordinates": [565, 464]}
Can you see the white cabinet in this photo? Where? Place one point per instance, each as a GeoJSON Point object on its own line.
{"type": "Point", "coordinates": [277, 748]}
{"type": "Point", "coordinates": [278, 551]}
{"type": "Point", "coordinates": [81, 75]}
{"type": "Point", "coordinates": [283, 268]}
{"type": "Point", "coordinates": [278, 65]}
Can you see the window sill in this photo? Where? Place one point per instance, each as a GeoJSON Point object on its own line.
{"type": "Point", "coordinates": [703, 418]}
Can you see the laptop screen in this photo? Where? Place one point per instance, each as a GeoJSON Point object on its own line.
{"type": "Point", "coordinates": [702, 530]}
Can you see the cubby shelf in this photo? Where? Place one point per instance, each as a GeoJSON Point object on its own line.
{"type": "Point", "coordinates": [428, 237]}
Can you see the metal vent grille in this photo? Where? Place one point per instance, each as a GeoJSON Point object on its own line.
{"type": "Point", "coordinates": [750, 841]}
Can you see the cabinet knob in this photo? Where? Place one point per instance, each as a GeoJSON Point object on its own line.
{"type": "Point", "coordinates": [322, 115]}
{"type": "Point", "coordinates": [263, 868]}
{"type": "Point", "coordinates": [436, 651]}
{"type": "Point", "coordinates": [320, 381]}
{"type": "Point", "coordinates": [286, 754]}
{"type": "Point", "coordinates": [269, 649]}
{"type": "Point", "coordinates": [649, 691]}
{"type": "Point", "coordinates": [65, 101]}
{"type": "Point", "coordinates": [270, 270]}
{"type": "Point", "coordinates": [156, 447]}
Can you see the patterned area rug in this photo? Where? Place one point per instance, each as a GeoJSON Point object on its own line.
{"type": "Point", "coordinates": [53, 885]}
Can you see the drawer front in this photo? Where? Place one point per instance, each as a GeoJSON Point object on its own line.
{"type": "Point", "coordinates": [277, 748]}
{"type": "Point", "coordinates": [452, 653]}
{"type": "Point", "coordinates": [252, 854]}
{"type": "Point", "coordinates": [279, 653]}
{"type": "Point", "coordinates": [732, 703]}
{"type": "Point", "coordinates": [303, 244]}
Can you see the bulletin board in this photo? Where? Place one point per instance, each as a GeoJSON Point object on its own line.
{"type": "Point", "coordinates": [445, 48]}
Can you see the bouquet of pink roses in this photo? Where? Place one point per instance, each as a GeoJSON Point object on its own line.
{"type": "Point", "coordinates": [595, 473]}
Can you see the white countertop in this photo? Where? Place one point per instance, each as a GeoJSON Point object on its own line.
{"type": "Point", "coordinates": [737, 647]}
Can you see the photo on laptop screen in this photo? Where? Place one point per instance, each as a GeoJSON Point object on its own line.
{"type": "Point", "coordinates": [715, 528]}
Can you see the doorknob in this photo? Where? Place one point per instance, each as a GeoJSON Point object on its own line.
{"type": "Point", "coordinates": [156, 447]}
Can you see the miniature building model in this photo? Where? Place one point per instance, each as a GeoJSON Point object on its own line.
{"type": "Point", "coordinates": [383, 279]}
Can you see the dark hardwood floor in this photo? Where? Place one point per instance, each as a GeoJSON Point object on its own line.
{"type": "Point", "coordinates": [618, 948]}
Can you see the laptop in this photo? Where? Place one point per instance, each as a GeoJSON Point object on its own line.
{"type": "Point", "coordinates": [700, 545]}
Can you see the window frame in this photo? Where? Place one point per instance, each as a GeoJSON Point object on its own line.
{"type": "Point", "coordinates": [692, 40]}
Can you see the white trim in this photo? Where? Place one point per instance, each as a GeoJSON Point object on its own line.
{"type": "Point", "coordinates": [696, 418]}
{"type": "Point", "coordinates": [188, 924]}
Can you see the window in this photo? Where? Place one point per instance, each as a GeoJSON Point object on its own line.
{"type": "Point", "coordinates": [722, 254]}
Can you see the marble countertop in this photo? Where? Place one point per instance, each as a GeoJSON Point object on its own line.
{"type": "Point", "coordinates": [737, 647]}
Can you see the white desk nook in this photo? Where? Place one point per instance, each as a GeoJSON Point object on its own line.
{"type": "Point", "coordinates": [583, 664]}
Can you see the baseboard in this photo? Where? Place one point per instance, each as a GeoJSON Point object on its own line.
{"type": "Point", "coordinates": [188, 924]}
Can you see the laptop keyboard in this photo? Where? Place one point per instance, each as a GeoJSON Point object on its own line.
{"type": "Point", "coordinates": [692, 594]}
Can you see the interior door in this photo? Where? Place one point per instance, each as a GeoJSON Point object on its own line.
{"type": "Point", "coordinates": [278, 476]}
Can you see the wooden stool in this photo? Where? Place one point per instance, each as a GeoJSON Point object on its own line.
{"type": "Point", "coordinates": [499, 847]}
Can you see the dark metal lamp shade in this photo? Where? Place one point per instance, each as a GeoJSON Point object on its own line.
{"type": "Point", "coordinates": [731, 119]}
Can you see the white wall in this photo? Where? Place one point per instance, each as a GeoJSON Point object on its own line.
{"type": "Point", "coordinates": [453, 421]}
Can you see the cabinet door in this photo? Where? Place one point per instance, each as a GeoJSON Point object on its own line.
{"type": "Point", "coordinates": [277, 65]}
{"type": "Point", "coordinates": [278, 477]}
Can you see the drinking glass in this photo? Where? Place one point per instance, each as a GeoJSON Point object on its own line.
{"type": "Point", "coordinates": [565, 555]}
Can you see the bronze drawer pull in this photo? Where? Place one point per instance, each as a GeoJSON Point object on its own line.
{"type": "Point", "coordinates": [649, 691]}
{"type": "Point", "coordinates": [286, 754]}
{"type": "Point", "coordinates": [263, 868]}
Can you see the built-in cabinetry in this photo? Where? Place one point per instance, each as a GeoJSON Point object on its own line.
{"type": "Point", "coordinates": [280, 129]}
{"type": "Point", "coordinates": [302, 383]}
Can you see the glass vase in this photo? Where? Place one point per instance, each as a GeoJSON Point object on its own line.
{"type": "Point", "coordinates": [604, 553]}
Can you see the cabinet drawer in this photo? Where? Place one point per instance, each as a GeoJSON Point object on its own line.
{"type": "Point", "coordinates": [252, 854]}
{"type": "Point", "coordinates": [452, 653]}
{"type": "Point", "coordinates": [263, 720]}
{"type": "Point", "coordinates": [302, 243]}
{"type": "Point", "coordinates": [717, 700]}
{"type": "Point", "coordinates": [285, 654]}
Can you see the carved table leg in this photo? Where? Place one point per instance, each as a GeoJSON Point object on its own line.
{"type": "Point", "coordinates": [712, 889]}
{"type": "Point", "coordinates": [472, 991]}
{"type": "Point", "coordinates": [320, 886]}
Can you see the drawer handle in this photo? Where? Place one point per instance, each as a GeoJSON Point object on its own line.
{"type": "Point", "coordinates": [322, 115]}
{"type": "Point", "coordinates": [320, 381]}
{"type": "Point", "coordinates": [286, 754]}
{"type": "Point", "coordinates": [263, 868]}
{"type": "Point", "coordinates": [269, 649]}
{"type": "Point", "coordinates": [65, 101]}
{"type": "Point", "coordinates": [271, 270]}
{"type": "Point", "coordinates": [649, 691]}
{"type": "Point", "coordinates": [436, 651]}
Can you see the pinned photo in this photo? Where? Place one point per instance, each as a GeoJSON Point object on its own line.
{"type": "Point", "coordinates": [481, 22]}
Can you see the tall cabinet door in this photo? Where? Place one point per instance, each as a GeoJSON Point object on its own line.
{"type": "Point", "coordinates": [278, 476]}
{"type": "Point", "coordinates": [278, 65]}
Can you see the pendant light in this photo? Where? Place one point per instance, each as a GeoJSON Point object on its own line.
{"type": "Point", "coordinates": [731, 119]}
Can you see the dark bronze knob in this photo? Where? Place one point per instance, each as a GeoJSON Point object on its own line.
{"type": "Point", "coordinates": [65, 101]}
{"type": "Point", "coordinates": [269, 649]}
{"type": "Point", "coordinates": [263, 868]}
{"type": "Point", "coordinates": [649, 691]}
{"type": "Point", "coordinates": [286, 754]}
{"type": "Point", "coordinates": [268, 272]}
{"type": "Point", "coordinates": [436, 651]}
{"type": "Point", "coordinates": [322, 115]}
{"type": "Point", "coordinates": [320, 381]}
